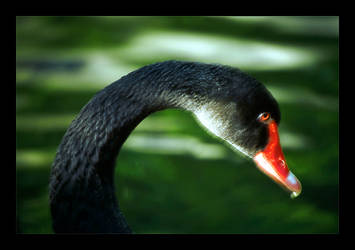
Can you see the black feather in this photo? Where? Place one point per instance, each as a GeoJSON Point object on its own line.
{"type": "Point", "coordinates": [82, 188]}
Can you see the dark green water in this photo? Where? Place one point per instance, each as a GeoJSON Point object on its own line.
{"type": "Point", "coordinates": [171, 176]}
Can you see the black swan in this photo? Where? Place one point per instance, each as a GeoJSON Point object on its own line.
{"type": "Point", "coordinates": [231, 104]}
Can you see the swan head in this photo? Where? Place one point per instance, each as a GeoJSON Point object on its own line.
{"type": "Point", "coordinates": [249, 123]}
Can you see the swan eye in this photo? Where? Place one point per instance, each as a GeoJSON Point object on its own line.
{"type": "Point", "coordinates": [264, 117]}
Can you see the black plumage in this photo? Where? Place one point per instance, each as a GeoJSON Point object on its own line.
{"type": "Point", "coordinates": [82, 188]}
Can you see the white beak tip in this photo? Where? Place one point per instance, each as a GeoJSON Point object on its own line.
{"type": "Point", "coordinates": [294, 195]}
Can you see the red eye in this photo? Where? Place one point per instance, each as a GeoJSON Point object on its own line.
{"type": "Point", "coordinates": [264, 116]}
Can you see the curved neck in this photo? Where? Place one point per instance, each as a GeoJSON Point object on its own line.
{"type": "Point", "coordinates": [81, 186]}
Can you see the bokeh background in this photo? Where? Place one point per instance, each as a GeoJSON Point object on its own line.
{"type": "Point", "coordinates": [172, 176]}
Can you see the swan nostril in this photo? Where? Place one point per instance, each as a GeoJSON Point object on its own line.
{"type": "Point", "coordinates": [282, 163]}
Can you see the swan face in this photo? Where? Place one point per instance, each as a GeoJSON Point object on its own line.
{"type": "Point", "coordinates": [224, 121]}
{"type": "Point", "coordinates": [234, 118]}
{"type": "Point", "coordinates": [250, 125]}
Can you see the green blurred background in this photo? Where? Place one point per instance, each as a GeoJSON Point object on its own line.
{"type": "Point", "coordinates": [171, 176]}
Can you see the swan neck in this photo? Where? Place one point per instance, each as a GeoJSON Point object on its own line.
{"type": "Point", "coordinates": [81, 186]}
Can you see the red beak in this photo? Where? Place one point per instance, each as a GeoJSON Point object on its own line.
{"type": "Point", "coordinates": [272, 162]}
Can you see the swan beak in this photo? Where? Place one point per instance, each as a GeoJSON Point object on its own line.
{"type": "Point", "coordinates": [271, 161]}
